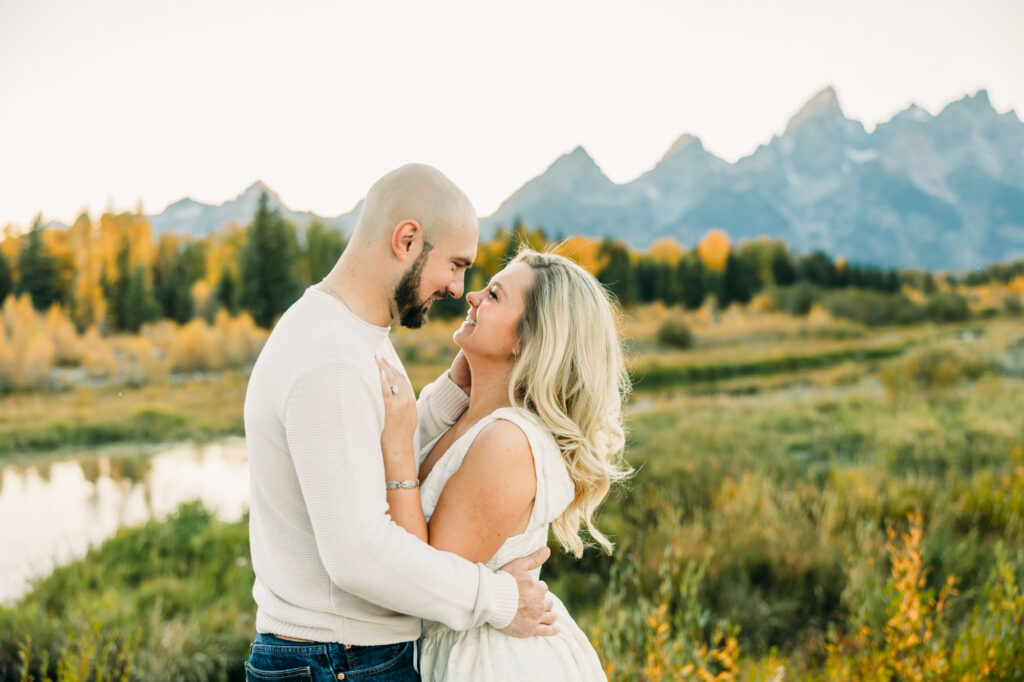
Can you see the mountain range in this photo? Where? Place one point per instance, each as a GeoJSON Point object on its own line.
{"type": "Point", "coordinates": [188, 216]}
{"type": "Point", "coordinates": [943, 192]}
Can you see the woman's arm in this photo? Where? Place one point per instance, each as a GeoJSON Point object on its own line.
{"type": "Point", "coordinates": [486, 501]}
{"type": "Point", "coordinates": [442, 401]}
{"type": "Point", "coordinates": [489, 498]}
{"type": "Point", "coordinates": [397, 446]}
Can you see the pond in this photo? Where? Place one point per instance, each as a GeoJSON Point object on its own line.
{"type": "Point", "coordinates": [52, 511]}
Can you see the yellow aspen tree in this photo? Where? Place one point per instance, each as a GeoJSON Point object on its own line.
{"type": "Point", "coordinates": [666, 250]}
{"type": "Point", "coordinates": [88, 306]}
{"type": "Point", "coordinates": [714, 248]}
{"type": "Point", "coordinates": [58, 244]}
{"type": "Point", "coordinates": [584, 251]}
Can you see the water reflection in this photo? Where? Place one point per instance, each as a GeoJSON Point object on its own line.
{"type": "Point", "coordinates": [52, 512]}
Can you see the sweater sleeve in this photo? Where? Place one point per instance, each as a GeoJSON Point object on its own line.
{"type": "Point", "coordinates": [439, 405]}
{"type": "Point", "coordinates": [332, 419]}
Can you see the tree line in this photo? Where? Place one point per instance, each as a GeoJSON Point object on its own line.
{"type": "Point", "coordinates": [115, 274]}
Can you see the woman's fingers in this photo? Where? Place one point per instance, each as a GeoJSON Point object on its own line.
{"type": "Point", "coordinates": [385, 381]}
{"type": "Point", "coordinates": [392, 379]}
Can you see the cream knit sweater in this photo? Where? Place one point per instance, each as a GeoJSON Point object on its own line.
{"type": "Point", "coordinates": [330, 563]}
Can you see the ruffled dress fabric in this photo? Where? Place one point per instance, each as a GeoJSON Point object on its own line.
{"type": "Point", "coordinates": [485, 654]}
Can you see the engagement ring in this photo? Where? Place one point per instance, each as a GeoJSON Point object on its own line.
{"type": "Point", "coordinates": [394, 389]}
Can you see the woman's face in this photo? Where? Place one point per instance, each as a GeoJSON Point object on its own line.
{"type": "Point", "coordinates": [490, 327]}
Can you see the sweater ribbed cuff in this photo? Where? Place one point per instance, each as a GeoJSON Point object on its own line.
{"type": "Point", "coordinates": [451, 401]}
{"type": "Point", "coordinates": [504, 600]}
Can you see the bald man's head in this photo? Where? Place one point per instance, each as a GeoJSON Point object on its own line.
{"type": "Point", "coordinates": [415, 239]}
{"type": "Point", "coordinates": [414, 192]}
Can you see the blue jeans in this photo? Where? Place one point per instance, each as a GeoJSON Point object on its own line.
{"type": "Point", "coordinates": [273, 658]}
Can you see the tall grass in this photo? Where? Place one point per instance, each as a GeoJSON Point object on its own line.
{"type": "Point", "coordinates": [859, 531]}
{"type": "Point", "coordinates": [170, 600]}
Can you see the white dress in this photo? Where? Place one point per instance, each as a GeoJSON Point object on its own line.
{"type": "Point", "coordinates": [485, 654]}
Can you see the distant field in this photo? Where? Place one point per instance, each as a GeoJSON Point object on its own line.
{"type": "Point", "coordinates": [803, 494]}
{"type": "Point", "coordinates": [196, 407]}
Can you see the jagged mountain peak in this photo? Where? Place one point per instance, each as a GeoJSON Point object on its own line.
{"type": "Point", "coordinates": [257, 188]}
{"type": "Point", "coordinates": [824, 103]}
{"type": "Point", "coordinates": [976, 105]}
{"type": "Point", "coordinates": [684, 141]}
{"type": "Point", "coordinates": [576, 164]}
{"type": "Point", "coordinates": [578, 156]}
{"type": "Point", "coordinates": [913, 113]}
{"type": "Point", "coordinates": [187, 215]}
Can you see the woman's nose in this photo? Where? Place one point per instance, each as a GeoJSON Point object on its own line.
{"type": "Point", "coordinates": [474, 298]}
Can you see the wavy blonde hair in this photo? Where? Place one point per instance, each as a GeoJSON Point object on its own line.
{"type": "Point", "coordinates": [570, 372]}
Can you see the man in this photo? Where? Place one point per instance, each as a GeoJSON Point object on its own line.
{"type": "Point", "coordinates": [340, 588]}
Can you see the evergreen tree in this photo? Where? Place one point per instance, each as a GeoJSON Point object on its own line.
{"type": "Point", "coordinates": [268, 266]}
{"type": "Point", "coordinates": [667, 285]}
{"type": "Point", "coordinates": [171, 287]}
{"type": "Point", "coordinates": [691, 278]}
{"type": "Point", "coordinates": [6, 278]}
{"type": "Point", "coordinates": [522, 236]}
{"type": "Point", "coordinates": [323, 247]}
{"type": "Point", "coordinates": [818, 269]}
{"type": "Point", "coordinates": [929, 285]}
{"type": "Point", "coordinates": [647, 284]}
{"type": "Point", "coordinates": [130, 297]}
{"type": "Point", "coordinates": [227, 293]}
{"type": "Point", "coordinates": [193, 257]}
{"type": "Point", "coordinates": [37, 268]}
{"type": "Point", "coordinates": [738, 281]}
{"type": "Point", "coordinates": [174, 295]}
{"type": "Point", "coordinates": [783, 272]}
{"type": "Point", "coordinates": [617, 274]}
{"type": "Point", "coordinates": [138, 304]}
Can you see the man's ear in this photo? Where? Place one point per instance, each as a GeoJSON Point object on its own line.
{"type": "Point", "coordinates": [404, 238]}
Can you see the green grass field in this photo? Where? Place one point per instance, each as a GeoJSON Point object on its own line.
{"type": "Point", "coordinates": [799, 507]}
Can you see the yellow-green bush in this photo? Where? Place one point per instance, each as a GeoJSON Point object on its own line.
{"type": "Point", "coordinates": [935, 367]}
{"type": "Point", "coordinates": [33, 344]}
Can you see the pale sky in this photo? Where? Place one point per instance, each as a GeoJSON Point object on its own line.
{"type": "Point", "coordinates": [106, 103]}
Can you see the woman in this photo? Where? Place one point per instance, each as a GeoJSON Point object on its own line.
{"type": "Point", "coordinates": [538, 446]}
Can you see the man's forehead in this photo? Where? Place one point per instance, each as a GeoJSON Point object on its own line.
{"type": "Point", "coordinates": [460, 246]}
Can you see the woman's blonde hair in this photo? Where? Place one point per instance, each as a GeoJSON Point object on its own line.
{"type": "Point", "coordinates": [570, 372]}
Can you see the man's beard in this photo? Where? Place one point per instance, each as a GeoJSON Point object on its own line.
{"type": "Point", "coordinates": [411, 311]}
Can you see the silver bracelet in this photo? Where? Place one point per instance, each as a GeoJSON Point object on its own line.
{"type": "Point", "coordinates": [404, 485]}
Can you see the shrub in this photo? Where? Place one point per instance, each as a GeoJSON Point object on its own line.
{"type": "Point", "coordinates": [873, 308]}
{"type": "Point", "coordinates": [675, 334]}
{"type": "Point", "coordinates": [796, 299]}
{"type": "Point", "coordinates": [947, 307]}
{"type": "Point", "coordinates": [934, 367]}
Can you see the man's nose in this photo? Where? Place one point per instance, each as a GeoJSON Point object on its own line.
{"type": "Point", "coordinates": [456, 287]}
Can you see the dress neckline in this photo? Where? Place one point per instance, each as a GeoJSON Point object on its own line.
{"type": "Point", "coordinates": [487, 418]}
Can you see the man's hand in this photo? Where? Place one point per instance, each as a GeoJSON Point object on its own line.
{"type": "Point", "coordinates": [460, 374]}
{"type": "Point", "coordinates": [534, 616]}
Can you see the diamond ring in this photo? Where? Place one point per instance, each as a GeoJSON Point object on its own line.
{"type": "Point", "coordinates": [394, 389]}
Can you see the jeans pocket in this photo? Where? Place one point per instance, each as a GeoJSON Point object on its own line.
{"type": "Point", "coordinates": [378, 660]}
{"type": "Point", "coordinates": [255, 674]}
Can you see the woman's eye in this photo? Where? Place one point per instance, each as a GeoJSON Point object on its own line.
{"type": "Point", "coordinates": [492, 294]}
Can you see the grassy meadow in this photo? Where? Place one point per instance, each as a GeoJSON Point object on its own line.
{"type": "Point", "coordinates": [813, 499]}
